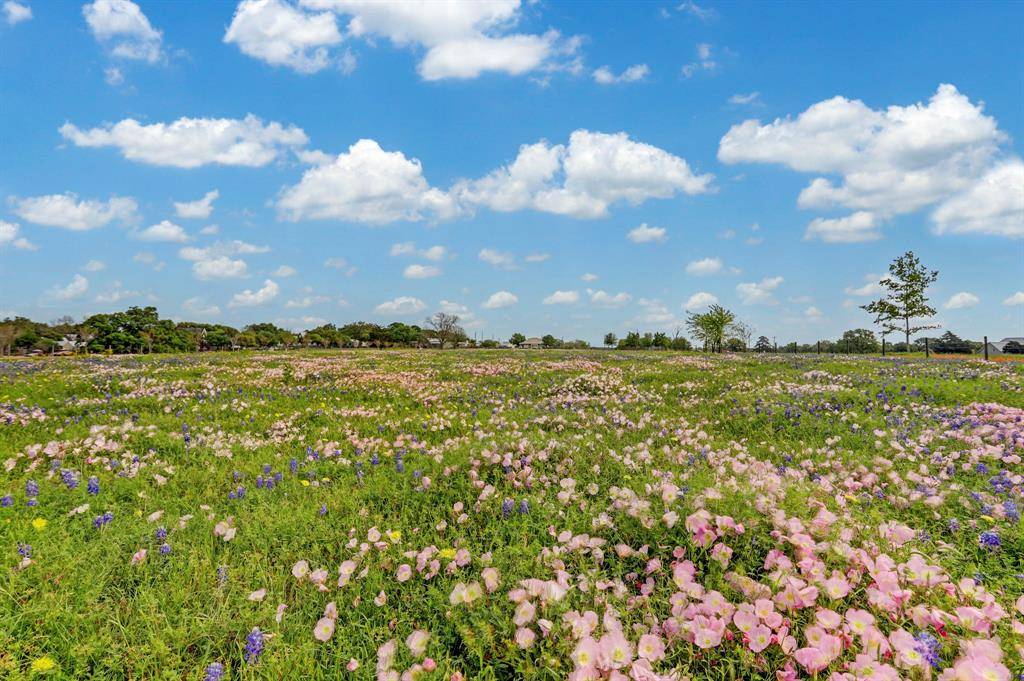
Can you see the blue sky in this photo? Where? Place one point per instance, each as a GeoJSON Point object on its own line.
{"type": "Point", "coordinates": [566, 168]}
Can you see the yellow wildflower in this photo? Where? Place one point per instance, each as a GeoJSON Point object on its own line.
{"type": "Point", "coordinates": [40, 524]}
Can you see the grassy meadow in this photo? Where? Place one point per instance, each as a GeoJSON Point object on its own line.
{"type": "Point", "coordinates": [511, 515]}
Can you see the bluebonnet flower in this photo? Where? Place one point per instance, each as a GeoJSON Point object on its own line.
{"type": "Point", "coordinates": [253, 646]}
{"type": "Point", "coordinates": [31, 491]}
{"type": "Point", "coordinates": [929, 648]}
{"type": "Point", "coordinates": [236, 475]}
{"type": "Point", "coordinates": [524, 507]}
{"type": "Point", "coordinates": [506, 507]}
{"type": "Point", "coordinates": [266, 469]}
{"type": "Point", "coordinates": [70, 478]}
{"type": "Point", "coordinates": [222, 575]}
{"type": "Point", "coordinates": [93, 486]}
{"type": "Point", "coordinates": [323, 509]}
{"type": "Point", "coordinates": [1011, 510]}
{"type": "Point", "coordinates": [293, 465]}
{"type": "Point", "coordinates": [101, 520]}
{"type": "Point", "coordinates": [278, 477]}
{"type": "Point", "coordinates": [160, 533]}
{"type": "Point", "coordinates": [165, 548]}
{"type": "Point", "coordinates": [954, 525]}
{"type": "Point", "coordinates": [989, 540]}
{"type": "Point", "coordinates": [25, 550]}
{"type": "Point", "coordinates": [214, 671]}
{"type": "Point", "coordinates": [259, 482]}
{"type": "Point", "coordinates": [375, 460]}
{"type": "Point", "coordinates": [6, 501]}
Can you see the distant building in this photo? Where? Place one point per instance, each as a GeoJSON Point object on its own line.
{"type": "Point", "coordinates": [998, 347]}
{"type": "Point", "coordinates": [69, 343]}
{"type": "Point", "coordinates": [533, 343]}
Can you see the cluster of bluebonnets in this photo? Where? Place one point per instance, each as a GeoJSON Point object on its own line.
{"type": "Point", "coordinates": [434, 515]}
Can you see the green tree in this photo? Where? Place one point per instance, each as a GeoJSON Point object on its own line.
{"type": "Point", "coordinates": [763, 344]}
{"type": "Point", "coordinates": [610, 340]}
{"type": "Point", "coordinates": [858, 341]}
{"type": "Point", "coordinates": [711, 327]}
{"type": "Point", "coordinates": [905, 297]}
{"type": "Point", "coordinates": [517, 339]}
{"type": "Point", "coordinates": [550, 341]}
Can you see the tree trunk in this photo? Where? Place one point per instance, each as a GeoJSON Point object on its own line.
{"type": "Point", "coordinates": [907, 321]}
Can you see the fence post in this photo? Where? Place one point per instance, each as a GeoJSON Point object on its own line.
{"type": "Point", "coordinates": [926, 354]}
{"type": "Point", "coordinates": [883, 346]}
{"type": "Point", "coordinates": [819, 347]}
{"type": "Point", "coordinates": [986, 348]}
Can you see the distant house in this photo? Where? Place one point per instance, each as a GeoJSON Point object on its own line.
{"type": "Point", "coordinates": [69, 343]}
{"type": "Point", "coordinates": [533, 343]}
{"type": "Point", "coordinates": [998, 347]}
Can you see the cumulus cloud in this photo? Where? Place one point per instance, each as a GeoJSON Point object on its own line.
{"type": "Point", "coordinates": [285, 271]}
{"type": "Point", "coordinates": [418, 271]}
{"type": "Point", "coordinates": [1016, 299]}
{"type": "Point", "coordinates": [961, 300]}
{"type": "Point", "coordinates": [9, 237]}
{"type": "Point", "coordinates": [220, 267]}
{"type": "Point", "coordinates": [759, 293]}
{"type": "Point", "coordinates": [67, 212]}
{"type": "Point", "coordinates": [562, 298]}
{"type": "Point", "coordinates": [584, 178]}
{"type": "Point", "coordinates": [589, 276]}
{"type": "Point", "coordinates": [499, 259]}
{"type": "Point", "coordinates": [307, 301]}
{"type": "Point", "coordinates": [605, 299]}
{"type": "Point", "coordinates": [199, 209]}
{"type": "Point", "coordinates": [700, 300]}
{"type": "Point", "coordinates": [705, 267]}
{"type": "Point", "coordinates": [881, 163]}
{"type": "Point", "coordinates": [605, 76]}
{"type": "Point", "coordinates": [165, 230]}
{"type": "Point", "coordinates": [283, 35]}
{"type": "Point", "coordinates": [653, 312]}
{"type": "Point", "coordinates": [408, 248]}
{"type": "Point", "coordinates": [123, 29]}
{"type": "Point", "coordinates": [261, 296]}
{"type": "Point", "coordinates": [192, 142]}
{"type": "Point", "coordinates": [199, 306]}
{"type": "Point", "coordinates": [537, 257]}
{"type": "Point", "coordinates": [218, 261]}
{"type": "Point", "coordinates": [500, 299]}
{"type": "Point", "coordinates": [116, 294]}
{"type": "Point", "coordinates": [15, 12]}
{"type": "Point", "coordinates": [745, 99]}
{"type": "Point", "coordinates": [234, 247]}
{"type": "Point", "coordinates": [460, 39]}
{"type": "Point", "coordinates": [705, 62]}
{"type": "Point", "coordinates": [994, 204]}
{"type": "Point", "coordinates": [645, 234]}
{"type": "Point", "coordinates": [860, 226]}
{"type": "Point", "coordinates": [870, 287]}
{"type": "Point", "coordinates": [365, 184]}
{"type": "Point", "coordinates": [402, 305]}
{"type": "Point", "coordinates": [812, 314]}
{"type": "Point", "coordinates": [95, 266]}
{"type": "Point", "coordinates": [75, 289]}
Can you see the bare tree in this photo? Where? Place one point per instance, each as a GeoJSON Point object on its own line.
{"type": "Point", "coordinates": [446, 327]}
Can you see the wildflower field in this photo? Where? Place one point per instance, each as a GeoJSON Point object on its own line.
{"type": "Point", "coordinates": [511, 515]}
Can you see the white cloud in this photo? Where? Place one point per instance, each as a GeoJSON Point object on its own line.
{"type": "Point", "coordinates": [417, 271]}
{"type": "Point", "coordinates": [855, 228]}
{"type": "Point", "coordinates": [366, 184]}
{"type": "Point", "coordinates": [67, 212]}
{"type": "Point", "coordinates": [654, 312]}
{"type": "Point", "coordinates": [433, 253]}
{"type": "Point", "coordinates": [605, 76]}
{"type": "Point", "coordinates": [589, 276]}
{"type": "Point", "coordinates": [250, 298]}
{"type": "Point", "coordinates": [199, 209]}
{"type": "Point", "coordinates": [704, 61]}
{"type": "Point", "coordinates": [9, 236]}
{"type": "Point", "coordinates": [562, 298]}
{"type": "Point", "coordinates": [15, 12]}
{"type": "Point", "coordinates": [704, 267]}
{"type": "Point", "coordinates": [300, 324]}
{"type": "Point", "coordinates": [500, 299]}
{"type": "Point", "coordinates": [122, 27]}
{"type": "Point", "coordinates": [285, 271]}
{"type": "Point", "coordinates": [644, 234]}
{"type": "Point", "coordinates": [606, 299]}
{"type": "Point", "coordinates": [209, 230]}
{"type": "Point", "coordinates": [307, 301]}
{"type": "Point", "coordinates": [220, 267]}
{"type": "Point", "coordinates": [283, 35]}
{"type": "Point", "coordinates": [537, 257]}
{"type": "Point", "coordinates": [887, 162]}
{"type": "Point", "coordinates": [870, 287]}
{"type": "Point", "coordinates": [460, 39]}
{"type": "Point", "coordinates": [583, 179]}
{"type": "Point", "coordinates": [193, 142]}
{"type": "Point", "coordinates": [759, 293]}
{"type": "Point", "coordinates": [144, 257]}
{"type": "Point", "coordinates": [220, 248]}
{"type": "Point", "coordinates": [499, 259]}
{"type": "Point", "coordinates": [165, 230]}
{"type": "Point", "coordinates": [466, 317]}
{"type": "Point", "coordinates": [994, 204]}
{"type": "Point", "coordinates": [335, 263]}
{"type": "Point", "coordinates": [199, 306]}
{"type": "Point", "coordinates": [1016, 299]}
{"type": "Point", "coordinates": [402, 305]}
{"type": "Point", "coordinates": [95, 266]}
{"type": "Point", "coordinates": [700, 300]}
{"type": "Point", "coordinates": [116, 295]}
{"type": "Point", "coordinates": [693, 9]}
{"type": "Point", "coordinates": [961, 300]}
{"type": "Point", "coordinates": [812, 314]}
{"type": "Point", "coordinates": [745, 99]}
{"type": "Point", "coordinates": [113, 75]}
{"type": "Point", "coordinates": [76, 289]}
